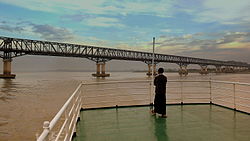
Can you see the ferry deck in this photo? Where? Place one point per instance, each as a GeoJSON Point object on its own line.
{"type": "Point", "coordinates": [196, 110]}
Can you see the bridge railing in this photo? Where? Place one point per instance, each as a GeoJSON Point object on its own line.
{"type": "Point", "coordinates": [131, 93]}
{"type": "Point", "coordinates": [36, 47]}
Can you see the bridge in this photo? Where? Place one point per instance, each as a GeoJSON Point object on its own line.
{"type": "Point", "coordinates": [14, 47]}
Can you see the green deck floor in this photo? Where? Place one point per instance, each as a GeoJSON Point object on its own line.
{"type": "Point", "coordinates": [184, 123]}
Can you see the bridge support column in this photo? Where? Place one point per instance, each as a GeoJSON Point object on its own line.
{"type": "Point", "coordinates": [149, 73]}
{"type": "Point", "coordinates": [227, 69]}
{"type": "Point", "coordinates": [218, 69]}
{"type": "Point", "coordinates": [151, 69]}
{"type": "Point", "coordinates": [235, 69]}
{"type": "Point", "coordinates": [203, 69]}
{"type": "Point", "coordinates": [7, 70]}
{"type": "Point", "coordinates": [244, 68]}
{"type": "Point", "coordinates": [100, 70]}
{"type": "Point", "coordinates": [183, 69]}
{"type": "Point", "coordinates": [154, 69]}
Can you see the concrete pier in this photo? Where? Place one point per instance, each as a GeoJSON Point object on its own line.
{"type": "Point", "coordinates": [154, 69]}
{"type": "Point", "coordinates": [149, 70]}
{"type": "Point", "coordinates": [7, 70]}
{"type": "Point", "coordinates": [203, 69]}
{"type": "Point", "coordinates": [149, 73]}
{"type": "Point", "coordinates": [228, 69]}
{"type": "Point", "coordinates": [183, 70]}
{"type": "Point", "coordinates": [100, 70]}
{"type": "Point", "coordinates": [218, 69]}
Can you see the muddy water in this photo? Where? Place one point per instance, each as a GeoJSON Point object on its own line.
{"type": "Point", "coordinates": [31, 98]}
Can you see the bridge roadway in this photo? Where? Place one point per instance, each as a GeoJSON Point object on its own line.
{"type": "Point", "coordinates": [14, 47]}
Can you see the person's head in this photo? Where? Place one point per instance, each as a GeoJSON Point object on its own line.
{"type": "Point", "coordinates": [160, 70]}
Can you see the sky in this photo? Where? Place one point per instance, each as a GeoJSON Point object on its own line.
{"type": "Point", "coordinates": [212, 29]}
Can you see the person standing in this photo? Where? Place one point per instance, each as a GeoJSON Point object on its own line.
{"type": "Point", "coordinates": [160, 82]}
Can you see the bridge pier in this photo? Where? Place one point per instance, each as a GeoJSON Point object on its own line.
{"type": "Point", "coordinates": [203, 69]}
{"type": "Point", "coordinates": [183, 69]}
{"type": "Point", "coordinates": [218, 69]}
{"type": "Point", "coordinates": [241, 69]}
{"type": "Point", "coordinates": [149, 73]}
{"type": "Point", "coordinates": [149, 70]}
{"type": "Point", "coordinates": [234, 69]}
{"type": "Point", "coordinates": [7, 70]}
{"type": "Point", "coordinates": [100, 70]}
{"type": "Point", "coordinates": [228, 69]}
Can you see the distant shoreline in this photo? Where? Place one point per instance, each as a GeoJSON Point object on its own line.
{"type": "Point", "coordinates": [133, 71]}
{"type": "Point", "coordinates": [195, 71]}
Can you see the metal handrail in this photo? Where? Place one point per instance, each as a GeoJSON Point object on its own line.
{"type": "Point", "coordinates": [142, 81]}
{"type": "Point", "coordinates": [49, 125]}
{"type": "Point", "coordinates": [242, 91]}
{"type": "Point", "coordinates": [229, 82]}
{"type": "Point", "coordinates": [215, 87]}
{"type": "Point", "coordinates": [112, 82]}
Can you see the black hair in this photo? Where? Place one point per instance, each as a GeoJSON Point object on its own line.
{"type": "Point", "coordinates": [160, 70]}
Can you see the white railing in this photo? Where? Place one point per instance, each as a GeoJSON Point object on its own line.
{"type": "Point", "coordinates": [62, 126]}
{"type": "Point", "coordinates": [127, 93]}
{"type": "Point", "coordinates": [234, 95]}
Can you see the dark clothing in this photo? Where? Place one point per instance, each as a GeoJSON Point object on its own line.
{"type": "Point", "coordinates": [160, 94]}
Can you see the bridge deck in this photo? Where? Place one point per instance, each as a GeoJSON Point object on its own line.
{"type": "Point", "coordinates": [185, 123]}
{"type": "Point", "coordinates": [14, 47]}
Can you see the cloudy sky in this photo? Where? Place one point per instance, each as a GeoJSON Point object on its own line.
{"type": "Point", "coordinates": [213, 29]}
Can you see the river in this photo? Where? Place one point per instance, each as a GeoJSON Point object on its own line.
{"type": "Point", "coordinates": [33, 97]}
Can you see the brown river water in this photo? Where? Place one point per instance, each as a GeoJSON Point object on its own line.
{"type": "Point", "coordinates": [31, 98]}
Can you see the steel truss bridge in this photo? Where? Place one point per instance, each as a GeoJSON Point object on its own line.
{"type": "Point", "coordinates": [14, 47]}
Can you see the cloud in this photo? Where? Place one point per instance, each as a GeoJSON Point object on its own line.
{"type": "Point", "coordinates": [109, 7]}
{"type": "Point", "coordinates": [6, 26]}
{"type": "Point", "coordinates": [11, 29]}
{"type": "Point", "coordinates": [43, 31]}
{"type": "Point", "coordinates": [224, 12]}
{"type": "Point", "coordinates": [225, 46]}
{"type": "Point", "coordinates": [49, 32]}
{"type": "Point", "coordinates": [93, 20]}
{"type": "Point", "coordinates": [75, 17]}
{"type": "Point", "coordinates": [233, 37]}
{"type": "Point", "coordinates": [166, 30]}
{"type": "Point", "coordinates": [234, 44]}
{"type": "Point", "coordinates": [103, 22]}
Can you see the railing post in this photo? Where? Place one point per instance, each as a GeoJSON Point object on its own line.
{"type": "Point", "coordinates": [84, 93]}
{"type": "Point", "coordinates": [116, 96]}
{"type": "Point", "coordinates": [46, 128]}
{"type": "Point", "coordinates": [181, 92]}
{"type": "Point", "coordinates": [67, 123]}
{"type": "Point", "coordinates": [81, 98]}
{"type": "Point", "coordinates": [150, 93]}
{"type": "Point", "coordinates": [234, 96]}
{"type": "Point", "coordinates": [210, 86]}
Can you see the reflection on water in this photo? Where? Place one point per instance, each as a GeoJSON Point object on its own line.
{"type": "Point", "coordinates": [31, 98]}
{"type": "Point", "coordinates": [7, 88]}
{"type": "Point", "coordinates": [160, 129]}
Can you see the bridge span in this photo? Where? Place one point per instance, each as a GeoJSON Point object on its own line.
{"type": "Point", "coordinates": [14, 47]}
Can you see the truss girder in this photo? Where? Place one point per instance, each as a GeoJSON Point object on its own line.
{"type": "Point", "coordinates": [36, 47]}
